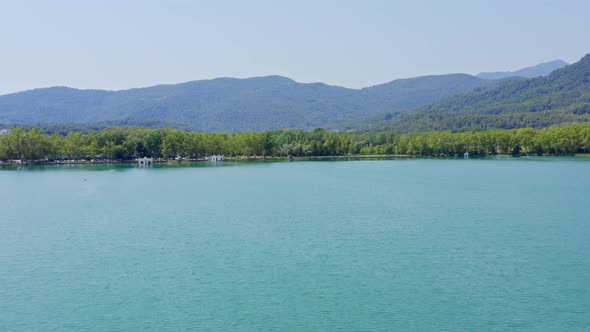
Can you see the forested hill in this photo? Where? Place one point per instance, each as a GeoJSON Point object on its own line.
{"type": "Point", "coordinates": [562, 96]}
{"type": "Point", "coordinates": [228, 104]}
{"type": "Point", "coordinates": [410, 93]}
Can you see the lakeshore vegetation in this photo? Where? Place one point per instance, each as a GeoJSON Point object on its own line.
{"type": "Point", "coordinates": [125, 143]}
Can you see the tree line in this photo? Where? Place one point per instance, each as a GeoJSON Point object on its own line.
{"type": "Point", "coordinates": [125, 143]}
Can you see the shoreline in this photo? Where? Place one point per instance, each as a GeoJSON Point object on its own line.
{"type": "Point", "coordinates": [260, 158]}
{"type": "Point", "coordinates": [196, 160]}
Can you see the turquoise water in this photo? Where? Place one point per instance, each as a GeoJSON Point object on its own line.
{"type": "Point", "coordinates": [403, 245]}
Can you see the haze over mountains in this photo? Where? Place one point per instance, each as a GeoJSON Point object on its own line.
{"type": "Point", "coordinates": [541, 69]}
{"type": "Point", "coordinates": [228, 104]}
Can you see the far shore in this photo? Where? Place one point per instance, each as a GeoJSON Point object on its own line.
{"type": "Point", "coordinates": [185, 160]}
{"type": "Point", "coordinates": [254, 158]}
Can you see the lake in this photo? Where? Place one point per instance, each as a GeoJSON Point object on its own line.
{"type": "Point", "coordinates": [408, 245]}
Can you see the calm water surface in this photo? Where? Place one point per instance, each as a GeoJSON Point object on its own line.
{"type": "Point", "coordinates": [406, 245]}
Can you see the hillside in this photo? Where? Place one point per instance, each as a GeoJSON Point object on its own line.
{"type": "Point", "coordinates": [410, 93]}
{"type": "Point", "coordinates": [562, 96]}
{"type": "Point", "coordinates": [229, 104]}
{"type": "Point", "coordinates": [541, 69]}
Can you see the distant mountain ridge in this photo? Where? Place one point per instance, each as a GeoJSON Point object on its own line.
{"type": "Point", "coordinates": [560, 97]}
{"type": "Point", "coordinates": [230, 104]}
{"type": "Point", "coordinates": [541, 69]}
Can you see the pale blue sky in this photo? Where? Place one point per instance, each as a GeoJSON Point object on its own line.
{"type": "Point", "coordinates": [122, 44]}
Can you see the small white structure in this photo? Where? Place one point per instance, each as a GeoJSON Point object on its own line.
{"type": "Point", "coordinates": [4, 132]}
{"type": "Point", "coordinates": [216, 158]}
{"type": "Point", "coordinates": [466, 155]}
{"type": "Point", "coordinates": [142, 162]}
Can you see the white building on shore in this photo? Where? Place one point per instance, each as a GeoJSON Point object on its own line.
{"type": "Point", "coordinates": [142, 162]}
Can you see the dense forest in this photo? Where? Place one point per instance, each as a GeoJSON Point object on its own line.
{"type": "Point", "coordinates": [561, 97]}
{"type": "Point", "coordinates": [32, 145]}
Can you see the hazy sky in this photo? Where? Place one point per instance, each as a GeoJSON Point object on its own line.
{"type": "Point", "coordinates": [122, 44]}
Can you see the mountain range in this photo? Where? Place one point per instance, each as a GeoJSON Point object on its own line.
{"type": "Point", "coordinates": [232, 105]}
{"type": "Point", "coordinates": [229, 104]}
